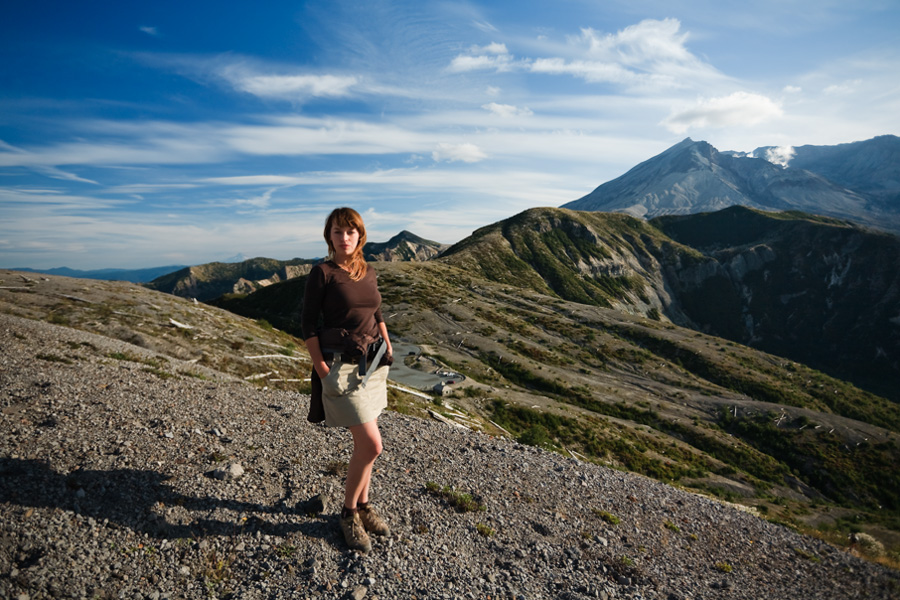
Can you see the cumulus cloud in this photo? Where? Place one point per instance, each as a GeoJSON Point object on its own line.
{"type": "Point", "coordinates": [494, 56]}
{"type": "Point", "coordinates": [650, 41]}
{"type": "Point", "coordinates": [507, 110]}
{"type": "Point", "coordinates": [739, 108]}
{"type": "Point", "coordinates": [467, 153]}
{"type": "Point", "coordinates": [652, 52]}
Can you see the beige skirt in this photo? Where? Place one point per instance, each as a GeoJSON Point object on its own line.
{"type": "Point", "coordinates": [346, 402]}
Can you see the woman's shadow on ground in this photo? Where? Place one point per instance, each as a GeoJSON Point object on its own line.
{"type": "Point", "coordinates": [129, 498]}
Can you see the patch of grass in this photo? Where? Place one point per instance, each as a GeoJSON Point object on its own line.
{"type": "Point", "coordinates": [216, 569]}
{"type": "Point", "coordinates": [58, 319]}
{"type": "Point", "coordinates": [461, 501]}
{"type": "Point", "coordinates": [337, 468]}
{"type": "Point", "coordinates": [672, 526]}
{"type": "Point", "coordinates": [53, 358]}
{"type": "Point", "coordinates": [807, 555]}
{"type": "Point", "coordinates": [484, 530]}
{"type": "Point", "coordinates": [724, 567]}
{"type": "Point", "coordinates": [606, 516]}
{"type": "Point", "coordinates": [200, 376]}
{"type": "Point", "coordinates": [158, 372]}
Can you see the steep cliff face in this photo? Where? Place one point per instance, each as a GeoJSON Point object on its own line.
{"type": "Point", "coordinates": [824, 293]}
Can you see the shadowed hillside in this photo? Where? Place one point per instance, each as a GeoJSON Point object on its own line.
{"type": "Point", "coordinates": [816, 290]}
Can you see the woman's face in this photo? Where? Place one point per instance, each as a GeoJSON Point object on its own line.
{"type": "Point", "coordinates": [345, 240]}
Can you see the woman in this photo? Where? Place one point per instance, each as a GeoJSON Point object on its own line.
{"type": "Point", "coordinates": [344, 292]}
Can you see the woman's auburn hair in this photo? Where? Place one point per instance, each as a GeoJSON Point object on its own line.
{"type": "Point", "coordinates": [347, 217]}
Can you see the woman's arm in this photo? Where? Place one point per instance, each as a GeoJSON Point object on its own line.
{"type": "Point", "coordinates": [315, 355]}
{"type": "Point", "coordinates": [382, 328]}
{"type": "Point", "coordinates": [312, 306]}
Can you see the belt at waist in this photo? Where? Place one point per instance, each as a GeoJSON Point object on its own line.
{"type": "Point", "coordinates": [344, 357]}
{"type": "Point", "coordinates": [353, 358]}
{"type": "Point", "coordinates": [363, 360]}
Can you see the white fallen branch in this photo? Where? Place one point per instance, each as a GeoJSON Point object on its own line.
{"type": "Point", "coordinates": [500, 428]}
{"type": "Point", "coordinates": [409, 391]}
{"type": "Point", "coordinates": [257, 376]}
{"type": "Point", "coordinates": [175, 323]}
{"type": "Point", "coordinates": [76, 298]}
{"type": "Point", "coordinates": [444, 419]}
{"type": "Point", "coordinates": [299, 358]}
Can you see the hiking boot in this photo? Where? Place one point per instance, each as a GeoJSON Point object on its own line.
{"type": "Point", "coordinates": [372, 522]}
{"type": "Point", "coordinates": [355, 533]}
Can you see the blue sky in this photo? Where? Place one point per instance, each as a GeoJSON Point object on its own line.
{"type": "Point", "coordinates": [138, 134]}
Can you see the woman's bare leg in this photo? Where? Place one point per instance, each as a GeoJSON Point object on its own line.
{"type": "Point", "coordinates": [366, 448]}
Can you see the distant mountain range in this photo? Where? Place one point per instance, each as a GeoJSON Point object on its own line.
{"type": "Point", "coordinates": [211, 280]}
{"type": "Point", "coordinates": [859, 182]}
{"type": "Point", "coordinates": [132, 275]}
{"type": "Point", "coordinates": [251, 273]}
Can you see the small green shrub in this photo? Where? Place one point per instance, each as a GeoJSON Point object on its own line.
{"type": "Point", "coordinates": [53, 358]}
{"type": "Point", "coordinates": [462, 502]}
{"type": "Point", "coordinates": [606, 516]}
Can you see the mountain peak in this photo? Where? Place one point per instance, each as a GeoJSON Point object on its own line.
{"type": "Point", "coordinates": [404, 246]}
{"type": "Point", "coordinates": [855, 181]}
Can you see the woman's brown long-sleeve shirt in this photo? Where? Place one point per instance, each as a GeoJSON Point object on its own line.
{"type": "Point", "coordinates": [344, 304]}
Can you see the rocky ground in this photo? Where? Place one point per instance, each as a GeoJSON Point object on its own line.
{"type": "Point", "coordinates": [122, 478]}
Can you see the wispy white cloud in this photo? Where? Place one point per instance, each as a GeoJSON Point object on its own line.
{"type": "Point", "coordinates": [507, 110]}
{"type": "Point", "coordinates": [467, 153]}
{"type": "Point", "coordinates": [843, 88]}
{"type": "Point", "coordinates": [652, 53]}
{"type": "Point", "coordinates": [55, 173]}
{"type": "Point", "coordinates": [739, 108]}
{"type": "Point", "coordinates": [288, 86]}
{"type": "Point", "coordinates": [150, 30]}
{"type": "Point", "coordinates": [263, 79]}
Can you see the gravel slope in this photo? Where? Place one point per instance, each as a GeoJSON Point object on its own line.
{"type": "Point", "coordinates": [106, 491]}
